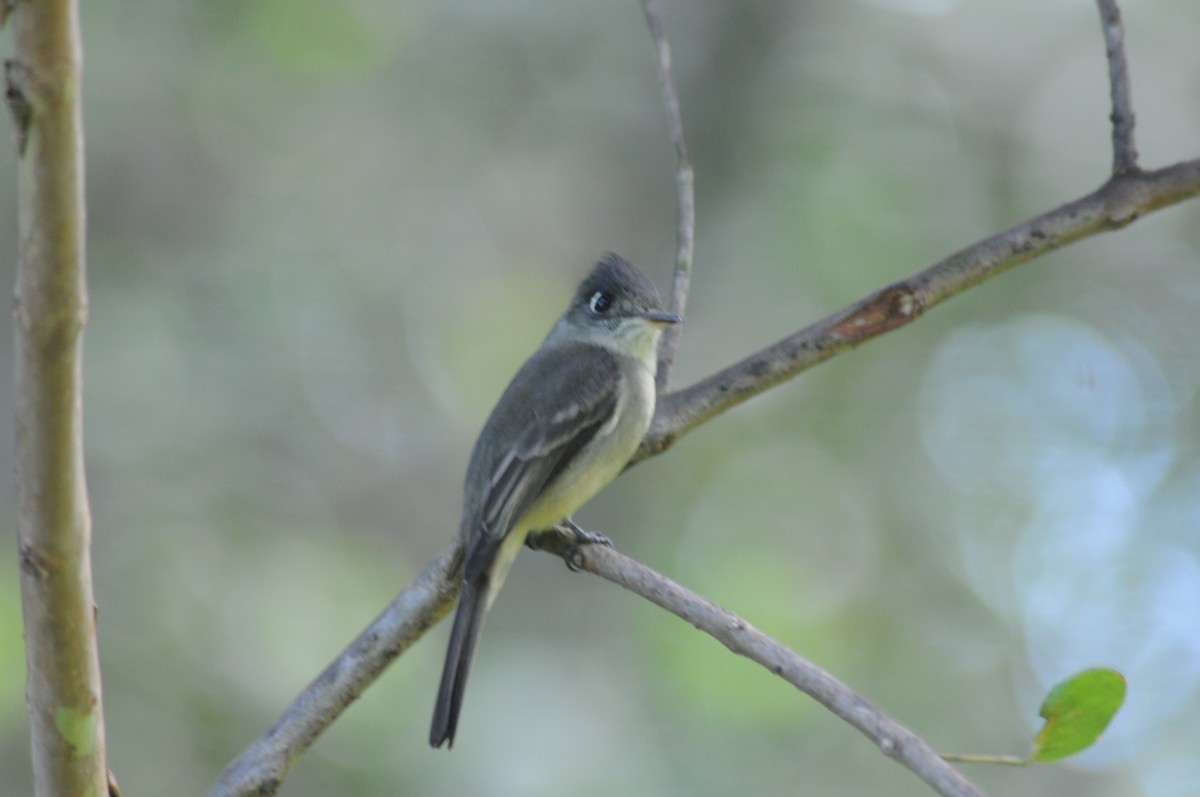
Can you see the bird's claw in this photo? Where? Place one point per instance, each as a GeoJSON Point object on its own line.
{"type": "Point", "coordinates": [585, 537]}
{"type": "Point", "coordinates": [573, 557]}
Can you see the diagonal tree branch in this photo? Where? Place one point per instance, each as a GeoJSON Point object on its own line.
{"type": "Point", "coordinates": [1125, 156]}
{"type": "Point", "coordinates": [261, 768]}
{"type": "Point", "coordinates": [685, 233]}
{"type": "Point", "coordinates": [739, 636]}
{"type": "Point", "coordinates": [1120, 201]}
{"type": "Point", "coordinates": [50, 308]}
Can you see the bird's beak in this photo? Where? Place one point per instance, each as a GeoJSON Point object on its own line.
{"type": "Point", "coordinates": [659, 318]}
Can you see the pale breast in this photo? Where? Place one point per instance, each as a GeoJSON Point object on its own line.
{"type": "Point", "coordinates": [604, 457]}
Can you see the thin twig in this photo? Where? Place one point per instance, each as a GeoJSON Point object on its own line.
{"type": "Point", "coordinates": [895, 740]}
{"type": "Point", "coordinates": [983, 758]}
{"type": "Point", "coordinates": [685, 233]}
{"type": "Point", "coordinates": [1120, 201]}
{"type": "Point", "coordinates": [62, 690]}
{"type": "Point", "coordinates": [1125, 156]}
{"type": "Point", "coordinates": [261, 768]}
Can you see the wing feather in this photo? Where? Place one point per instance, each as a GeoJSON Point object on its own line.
{"type": "Point", "coordinates": [531, 437]}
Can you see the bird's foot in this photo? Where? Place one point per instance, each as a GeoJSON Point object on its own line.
{"type": "Point", "coordinates": [583, 537]}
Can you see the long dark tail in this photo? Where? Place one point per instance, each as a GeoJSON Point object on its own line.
{"type": "Point", "coordinates": [468, 623]}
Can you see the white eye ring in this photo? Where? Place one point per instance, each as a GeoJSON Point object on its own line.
{"type": "Point", "coordinates": [599, 303]}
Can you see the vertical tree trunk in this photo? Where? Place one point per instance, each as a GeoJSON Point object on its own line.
{"type": "Point", "coordinates": [63, 681]}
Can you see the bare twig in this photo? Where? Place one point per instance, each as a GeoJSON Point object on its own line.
{"type": "Point", "coordinates": [982, 758]}
{"type": "Point", "coordinates": [744, 639]}
{"type": "Point", "coordinates": [63, 674]}
{"type": "Point", "coordinates": [260, 770]}
{"type": "Point", "coordinates": [684, 188]}
{"type": "Point", "coordinates": [1125, 156]}
{"type": "Point", "coordinates": [1118, 202]}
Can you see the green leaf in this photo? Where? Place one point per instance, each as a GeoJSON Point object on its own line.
{"type": "Point", "coordinates": [1077, 711]}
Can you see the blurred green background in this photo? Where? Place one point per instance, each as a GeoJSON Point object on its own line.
{"type": "Point", "coordinates": [322, 235]}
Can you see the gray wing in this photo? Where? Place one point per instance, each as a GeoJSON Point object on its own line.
{"type": "Point", "coordinates": [531, 436]}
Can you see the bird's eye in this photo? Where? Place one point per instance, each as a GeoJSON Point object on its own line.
{"type": "Point", "coordinates": [599, 303]}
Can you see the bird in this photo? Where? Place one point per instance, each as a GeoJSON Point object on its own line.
{"type": "Point", "coordinates": [566, 425]}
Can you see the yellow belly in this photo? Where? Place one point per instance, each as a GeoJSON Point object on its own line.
{"type": "Point", "coordinates": [600, 462]}
{"type": "Point", "coordinates": [595, 466]}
